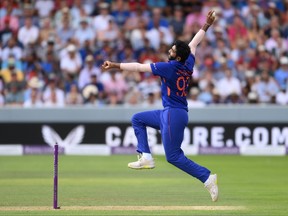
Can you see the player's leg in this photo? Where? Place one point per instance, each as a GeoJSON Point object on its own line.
{"type": "Point", "coordinates": [174, 122]}
{"type": "Point", "coordinates": [139, 122]}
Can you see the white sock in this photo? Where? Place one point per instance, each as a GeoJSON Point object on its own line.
{"type": "Point", "coordinates": [147, 156]}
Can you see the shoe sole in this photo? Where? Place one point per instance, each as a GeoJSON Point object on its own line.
{"type": "Point", "coordinates": [143, 167]}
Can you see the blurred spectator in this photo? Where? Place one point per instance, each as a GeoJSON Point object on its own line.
{"type": "Point", "coordinates": [7, 73]}
{"type": "Point", "coordinates": [33, 84]}
{"type": "Point", "coordinates": [237, 31]}
{"type": "Point", "coordinates": [266, 88]}
{"type": "Point", "coordinates": [28, 10]}
{"type": "Point", "coordinates": [47, 30]}
{"type": "Point", "coordinates": [158, 3]}
{"type": "Point", "coordinates": [281, 74]}
{"type": "Point", "coordinates": [88, 70]}
{"type": "Point", "coordinates": [216, 98]}
{"type": "Point", "coordinates": [90, 93]}
{"type": "Point", "coordinates": [101, 21]}
{"type": "Point", "coordinates": [73, 97]}
{"type": "Point", "coordinates": [177, 22]}
{"type": "Point", "coordinates": [44, 7]}
{"type": "Point", "coordinates": [49, 65]}
{"type": "Point", "coordinates": [206, 94]}
{"type": "Point", "coordinates": [80, 12]}
{"type": "Point", "coordinates": [133, 97]}
{"type": "Point", "coordinates": [100, 87]}
{"type": "Point", "coordinates": [33, 100]}
{"type": "Point", "coordinates": [2, 100]}
{"type": "Point", "coordinates": [206, 80]}
{"type": "Point", "coordinates": [282, 97]}
{"type": "Point", "coordinates": [2, 85]}
{"type": "Point", "coordinates": [205, 49]}
{"type": "Point", "coordinates": [11, 50]}
{"type": "Point", "coordinates": [65, 32]}
{"type": "Point", "coordinates": [14, 96]}
{"type": "Point", "coordinates": [71, 63]}
{"type": "Point", "coordinates": [228, 11]}
{"type": "Point", "coordinates": [63, 16]}
{"type": "Point", "coordinates": [115, 87]}
{"type": "Point", "coordinates": [249, 38]}
{"type": "Point", "coordinates": [135, 17]}
{"type": "Point", "coordinates": [138, 35]}
{"type": "Point", "coordinates": [158, 20]}
{"type": "Point", "coordinates": [152, 100]}
{"type": "Point", "coordinates": [31, 65]}
{"type": "Point", "coordinates": [6, 32]}
{"type": "Point", "coordinates": [248, 84]}
{"type": "Point", "coordinates": [52, 95]}
{"type": "Point", "coordinates": [192, 99]}
{"type": "Point", "coordinates": [149, 85]}
{"type": "Point", "coordinates": [195, 17]}
{"type": "Point", "coordinates": [29, 33]}
{"type": "Point", "coordinates": [120, 11]}
{"type": "Point", "coordinates": [84, 33]}
{"type": "Point", "coordinates": [86, 49]}
{"type": "Point", "coordinates": [9, 21]}
{"type": "Point", "coordinates": [252, 98]}
{"type": "Point", "coordinates": [275, 44]}
{"type": "Point", "coordinates": [109, 34]}
{"type": "Point", "coordinates": [9, 5]}
{"type": "Point", "coordinates": [228, 85]}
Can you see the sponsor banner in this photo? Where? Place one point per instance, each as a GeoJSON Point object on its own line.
{"type": "Point", "coordinates": [88, 150]}
{"type": "Point", "coordinates": [220, 150]}
{"type": "Point", "coordinates": [40, 149]}
{"type": "Point", "coordinates": [123, 150]}
{"type": "Point", "coordinates": [263, 151]}
{"type": "Point", "coordinates": [224, 138]}
{"type": "Point", "coordinates": [10, 150]}
{"type": "Point", "coordinates": [189, 149]}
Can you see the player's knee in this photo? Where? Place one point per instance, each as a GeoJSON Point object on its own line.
{"type": "Point", "coordinates": [134, 119]}
{"type": "Point", "coordinates": [172, 158]}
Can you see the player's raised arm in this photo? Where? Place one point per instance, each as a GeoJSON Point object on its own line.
{"type": "Point", "coordinates": [134, 67]}
{"type": "Point", "coordinates": [201, 33]}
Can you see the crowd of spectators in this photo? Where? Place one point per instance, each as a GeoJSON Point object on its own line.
{"type": "Point", "coordinates": [51, 52]}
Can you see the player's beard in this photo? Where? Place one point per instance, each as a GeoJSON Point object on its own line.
{"type": "Point", "coordinates": [170, 58]}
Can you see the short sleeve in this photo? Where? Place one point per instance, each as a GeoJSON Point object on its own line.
{"type": "Point", "coordinates": [190, 61]}
{"type": "Point", "coordinates": [162, 69]}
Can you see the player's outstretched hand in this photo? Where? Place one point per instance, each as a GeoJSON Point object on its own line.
{"type": "Point", "coordinates": [211, 17]}
{"type": "Point", "coordinates": [106, 65]}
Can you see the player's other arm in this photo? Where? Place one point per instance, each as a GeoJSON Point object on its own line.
{"type": "Point", "coordinates": [201, 33]}
{"type": "Point", "coordinates": [133, 67]}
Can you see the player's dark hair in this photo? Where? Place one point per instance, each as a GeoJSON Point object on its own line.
{"type": "Point", "coordinates": [182, 50]}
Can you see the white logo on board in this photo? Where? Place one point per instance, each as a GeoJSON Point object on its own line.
{"type": "Point", "coordinates": [51, 137]}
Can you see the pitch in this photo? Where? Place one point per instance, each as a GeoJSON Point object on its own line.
{"type": "Point", "coordinates": [94, 185]}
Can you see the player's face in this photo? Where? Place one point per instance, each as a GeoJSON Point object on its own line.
{"type": "Point", "coordinates": [172, 53]}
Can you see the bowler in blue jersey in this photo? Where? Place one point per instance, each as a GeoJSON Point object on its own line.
{"type": "Point", "coordinates": [173, 118]}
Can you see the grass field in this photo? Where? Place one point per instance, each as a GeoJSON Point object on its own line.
{"type": "Point", "coordinates": [105, 186]}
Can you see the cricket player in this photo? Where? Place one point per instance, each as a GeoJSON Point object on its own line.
{"type": "Point", "coordinates": [172, 120]}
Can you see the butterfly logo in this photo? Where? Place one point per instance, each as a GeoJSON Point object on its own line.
{"type": "Point", "coordinates": [51, 137]}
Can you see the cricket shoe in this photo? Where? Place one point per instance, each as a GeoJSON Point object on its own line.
{"type": "Point", "coordinates": [212, 187]}
{"type": "Point", "coordinates": [142, 163]}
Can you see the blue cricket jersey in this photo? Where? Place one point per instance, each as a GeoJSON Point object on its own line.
{"type": "Point", "coordinates": [175, 78]}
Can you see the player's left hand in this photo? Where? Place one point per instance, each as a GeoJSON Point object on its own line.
{"type": "Point", "coordinates": [211, 17]}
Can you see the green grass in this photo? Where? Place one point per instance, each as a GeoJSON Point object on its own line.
{"type": "Point", "coordinates": [258, 183]}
